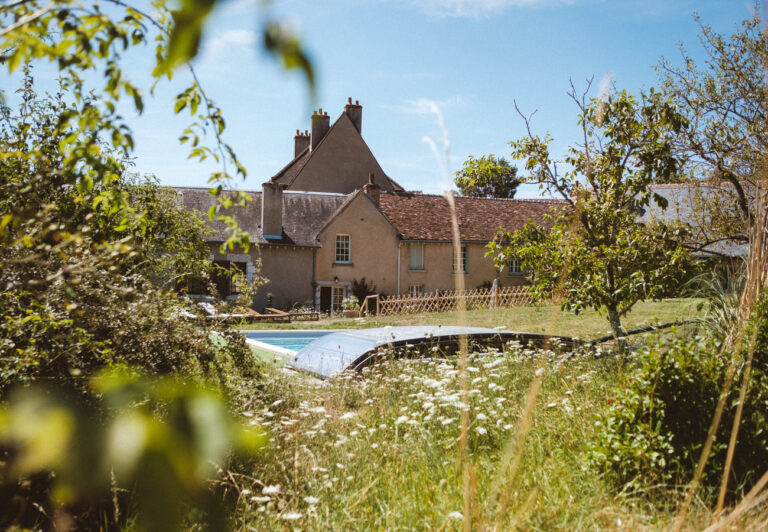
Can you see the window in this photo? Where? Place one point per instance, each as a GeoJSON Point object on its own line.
{"type": "Point", "coordinates": [416, 290]}
{"type": "Point", "coordinates": [342, 249]}
{"type": "Point", "coordinates": [463, 265]}
{"type": "Point", "coordinates": [514, 267]}
{"type": "Point", "coordinates": [337, 295]}
{"type": "Point", "coordinates": [417, 257]}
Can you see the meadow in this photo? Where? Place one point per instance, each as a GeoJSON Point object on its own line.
{"type": "Point", "coordinates": [384, 449]}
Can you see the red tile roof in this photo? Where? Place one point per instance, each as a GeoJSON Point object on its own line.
{"type": "Point", "coordinates": [427, 217]}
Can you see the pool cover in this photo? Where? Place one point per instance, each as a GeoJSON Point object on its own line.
{"type": "Point", "coordinates": [328, 356]}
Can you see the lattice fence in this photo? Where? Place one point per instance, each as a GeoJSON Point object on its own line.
{"type": "Point", "coordinates": [447, 301]}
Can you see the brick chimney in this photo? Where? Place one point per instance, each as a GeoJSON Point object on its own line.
{"type": "Point", "coordinates": [372, 189]}
{"type": "Point", "coordinates": [355, 113]}
{"type": "Point", "coordinates": [321, 123]}
{"type": "Point", "coordinates": [272, 210]}
{"type": "Point", "coordinates": [301, 141]}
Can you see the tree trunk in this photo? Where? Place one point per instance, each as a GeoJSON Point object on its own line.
{"type": "Point", "coordinates": [618, 331]}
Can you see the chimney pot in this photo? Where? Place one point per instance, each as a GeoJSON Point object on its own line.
{"type": "Point", "coordinates": [321, 123]}
{"type": "Point", "coordinates": [349, 100]}
{"type": "Point", "coordinates": [300, 142]}
{"type": "Point", "coordinates": [372, 190]}
{"type": "Point", "coordinates": [355, 113]}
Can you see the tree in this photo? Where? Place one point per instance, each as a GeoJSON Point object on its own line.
{"type": "Point", "coordinates": [595, 253]}
{"type": "Point", "coordinates": [86, 257]}
{"type": "Point", "coordinates": [487, 177]}
{"type": "Point", "coordinates": [726, 142]}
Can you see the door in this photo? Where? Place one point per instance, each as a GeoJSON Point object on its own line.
{"type": "Point", "coordinates": [325, 299]}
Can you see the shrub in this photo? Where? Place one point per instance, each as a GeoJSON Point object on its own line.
{"type": "Point", "coordinates": [657, 424]}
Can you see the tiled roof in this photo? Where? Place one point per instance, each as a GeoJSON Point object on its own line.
{"type": "Point", "coordinates": [288, 174]}
{"type": "Point", "coordinates": [427, 217]}
{"type": "Point", "coordinates": [304, 213]}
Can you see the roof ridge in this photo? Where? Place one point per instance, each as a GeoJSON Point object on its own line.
{"type": "Point", "coordinates": [531, 200]}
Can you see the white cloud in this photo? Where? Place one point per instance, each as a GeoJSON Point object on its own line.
{"type": "Point", "coordinates": [477, 8]}
{"type": "Point", "coordinates": [425, 106]}
{"type": "Point", "coordinates": [229, 41]}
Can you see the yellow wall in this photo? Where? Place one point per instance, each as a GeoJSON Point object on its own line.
{"type": "Point", "coordinates": [373, 248]}
{"type": "Point", "coordinates": [438, 269]}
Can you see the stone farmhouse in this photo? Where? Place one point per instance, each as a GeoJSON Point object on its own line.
{"type": "Point", "coordinates": [332, 216]}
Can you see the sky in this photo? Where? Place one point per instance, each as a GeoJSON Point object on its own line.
{"type": "Point", "coordinates": [438, 79]}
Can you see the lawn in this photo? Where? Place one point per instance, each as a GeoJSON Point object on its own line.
{"type": "Point", "coordinates": [546, 318]}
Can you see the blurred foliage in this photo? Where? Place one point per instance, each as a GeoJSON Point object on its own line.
{"type": "Point", "coordinates": [159, 440]}
{"type": "Point", "coordinates": [89, 259]}
{"type": "Point", "coordinates": [487, 177]}
{"type": "Point", "coordinates": [595, 253]}
{"type": "Point", "coordinates": [653, 433]}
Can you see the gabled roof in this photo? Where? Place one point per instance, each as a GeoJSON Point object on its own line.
{"type": "Point", "coordinates": [344, 148]}
{"type": "Point", "coordinates": [428, 217]}
{"type": "Point", "coordinates": [304, 213]}
{"type": "Point", "coordinates": [350, 199]}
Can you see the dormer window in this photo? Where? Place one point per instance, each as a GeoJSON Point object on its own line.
{"type": "Point", "coordinates": [342, 249]}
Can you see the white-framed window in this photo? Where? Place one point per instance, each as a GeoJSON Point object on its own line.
{"type": "Point", "coordinates": [337, 296]}
{"type": "Point", "coordinates": [416, 290]}
{"type": "Point", "coordinates": [463, 264]}
{"type": "Point", "coordinates": [342, 248]}
{"type": "Point", "coordinates": [514, 266]}
{"type": "Point", "coordinates": [416, 261]}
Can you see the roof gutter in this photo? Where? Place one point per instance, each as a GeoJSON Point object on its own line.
{"type": "Point", "coordinates": [399, 243]}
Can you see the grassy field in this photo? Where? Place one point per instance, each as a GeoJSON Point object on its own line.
{"type": "Point", "coordinates": [383, 450]}
{"type": "Point", "coordinates": [380, 451]}
{"type": "Point", "coordinates": [540, 319]}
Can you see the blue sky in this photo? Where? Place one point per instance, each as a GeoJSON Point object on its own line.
{"type": "Point", "coordinates": [414, 65]}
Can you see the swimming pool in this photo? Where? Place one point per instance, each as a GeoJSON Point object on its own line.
{"type": "Point", "coordinates": [287, 340]}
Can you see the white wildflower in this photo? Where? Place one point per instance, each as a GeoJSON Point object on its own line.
{"type": "Point", "coordinates": [481, 430]}
{"type": "Point", "coordinates": [291, 516]}
{"type": "Point", "coordinates": [481, 417]}
{"type": "Point", "coordinates": [447, 421]}
{"type": "Point", "coordinates": [401, 419]}
{"type": "Point", "coordinates": [260, 499]}
{"type": "Point", "coordinates": [454, 515]}
{"type": "Point", "coordinates": [318, 410]}
{"type": "Point", "coordinates": [540, 372]}
{"type": "Point", "coordinates": [311, 500]}
{"type": "Point", "coordinates": [551, 405]}
{"type": "Point", "coordinates": [271, 490]}
{"type": "Point", "coordinates": [245, 492]}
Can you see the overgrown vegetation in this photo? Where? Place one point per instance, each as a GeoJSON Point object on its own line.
{"type": "Point", "coordinates": [118, 413]}
{"type": "Point", "coordinates": [88, 261]}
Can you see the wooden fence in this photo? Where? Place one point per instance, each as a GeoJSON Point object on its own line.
{"type": "Point", "coordinates": [446, 301]}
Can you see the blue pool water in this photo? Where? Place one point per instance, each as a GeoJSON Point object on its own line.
{"type": "Point", "coordinates": [293, 340]}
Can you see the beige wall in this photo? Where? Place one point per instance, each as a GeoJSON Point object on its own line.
{"type": "Point", "coordinates": [438, 269]}
{"type": "Point", "coordinates": [288, 271]}
{"type": "Point", "coordinates": [341, 163]}
{"type": "Point", "coordinates": [373, 248]}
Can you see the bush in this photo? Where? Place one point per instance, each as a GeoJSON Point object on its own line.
{"type": "Point", "coordinates": [657, 424]}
